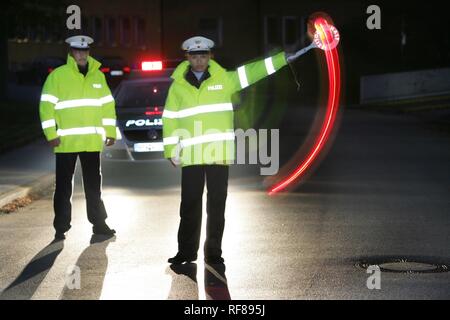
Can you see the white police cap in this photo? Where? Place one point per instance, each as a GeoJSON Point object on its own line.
{"type": "Point", "coordinates": [80, 42]}
{"type": "Point", "coordinates": [197, 44]}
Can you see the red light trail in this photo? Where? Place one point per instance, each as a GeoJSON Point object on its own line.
{"type": "Point", "coordinates": [326, 38]}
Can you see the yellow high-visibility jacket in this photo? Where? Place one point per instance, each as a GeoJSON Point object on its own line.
{"type": "Point", "coordinates": [199, 121]}
{"type": "Point", "coordinates": [78, 109]}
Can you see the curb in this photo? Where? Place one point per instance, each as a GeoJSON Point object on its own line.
{"type": "Point", "coordinates": [411, 105]}
{"type": "Point", "coordinates": [34, 188]}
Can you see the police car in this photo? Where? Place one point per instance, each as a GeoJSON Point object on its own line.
{"type": "Point", "coordinates": [139, 107]}
{"type": "Point", "coordinates": [115, 69]}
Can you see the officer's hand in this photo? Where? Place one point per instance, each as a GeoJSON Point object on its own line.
{"type": "Point", "coordinates": [110, 141]}
{"type": "Point", "coordinates": [288, 56]}
{"type": "Point", "coordinates": [55, 142]}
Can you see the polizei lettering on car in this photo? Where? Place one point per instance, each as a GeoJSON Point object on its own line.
{"type": "Point", "coordinates": [144, 123]}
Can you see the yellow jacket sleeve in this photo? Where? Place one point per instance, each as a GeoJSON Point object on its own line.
{"type": "Point", "coordinates": [49, 99]}
{"type": "Point", "coordinates": [253, 72]}
{"type": "Point", "coordinates": [170, 125]}
{"type": "Point", "coordinates": [108, 110]}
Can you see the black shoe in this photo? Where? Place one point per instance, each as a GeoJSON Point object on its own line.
{"type": "Point", "coordinates": [59, 236]}
{"type": "Point", "coordinates": [103, 230]}
{"type": "Point", "coordinates": [180, 259]}
{"type": "Point", "coordinates": [214, 260]}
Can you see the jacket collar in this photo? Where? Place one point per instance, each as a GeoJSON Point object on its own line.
{"type": "Point", "coordinates": [192, 79]}
{"type": "Point", "coordinates": [93, 64]}
{"type": "Point", "coordinates": [214, 70]}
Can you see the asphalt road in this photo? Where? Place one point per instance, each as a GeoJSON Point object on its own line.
{"type": "Point", "coordinates": [381, 193]}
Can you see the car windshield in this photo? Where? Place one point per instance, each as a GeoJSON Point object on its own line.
{"type": "Point", "coordinates": [141, 95]}
{"type": "Point", "coordinates": [53, 62]}
{"type": "Point", "coordinates": [112, 62]}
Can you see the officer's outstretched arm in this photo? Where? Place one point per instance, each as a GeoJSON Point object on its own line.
{"type": "Point", "coordinates": [253, 72]}
{"type": "Point", "coordinates": [108, 110]}
{"type": "Point", "coordinates": [171, 138]}
{"type": "Point", "coordinates": [49, 99]}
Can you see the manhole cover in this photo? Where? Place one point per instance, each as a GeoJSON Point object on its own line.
{"type": "Point", "coordinates": [408, 266]}
{"type": "Point", "coordinates": [405, 266]}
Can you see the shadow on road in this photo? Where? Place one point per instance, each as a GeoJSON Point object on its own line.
{"type": "Point", "coordinates": [185, 287]}
{"type": "Point", "coordinates": [216, 285]}
{"type": "Point", "coordinates": [93, 264]}
{"type": "Point", "coordinates": [33, 274]}
{"type": "Point", "coordinates": [184, 282]}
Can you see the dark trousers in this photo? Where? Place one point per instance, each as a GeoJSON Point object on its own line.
{"type": "Point", "coordinates": [92, 180]}
{"type": "Point", "coordinates": [192, 184]}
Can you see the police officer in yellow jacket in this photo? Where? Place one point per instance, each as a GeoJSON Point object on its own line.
{"type": "Point", "coordinates": [78, 118]}
{"type": "Point", "coordinates": [199, 135]}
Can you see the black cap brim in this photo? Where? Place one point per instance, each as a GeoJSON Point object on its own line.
{"type": "Point", "coordinates": [192, 53]}
{"type": "Point", "coordinates": [80, 49]}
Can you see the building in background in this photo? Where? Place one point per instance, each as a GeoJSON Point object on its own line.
{"type": "Point", "coordinates": [127, 29]}
{"type": "Point", "coordinates": [156, 28]}
{"type": "Point", "coordinates": [411, 37]}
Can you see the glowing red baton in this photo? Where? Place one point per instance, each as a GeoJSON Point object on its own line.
{"type": "Point", "coordinates": [326, 38]}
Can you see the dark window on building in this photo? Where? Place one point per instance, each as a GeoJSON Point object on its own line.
{"type": "Point", "coordinates": [211, 28]}
{"type": "Point", "coordinates": [111, 32]}
{"type": "Point", "coordinates": [303, 30]}
{"type": "Point", "coordinates": [20, 32]}
{"type": "Point", "coordinates": [37, 28]}
{"type": "Point", "coordinates": [85, 25]}
{"type": "Point", "coordinates": [97, 29]}
{"type": "Point", "coordinates": [290, 28]}
{"type": "Point", "coordinates": [46, 33]}
{"type": "Point", "coordinates": [38, 24]}
{"type": "Point", "coordinates": [273, 31]}
{"type": "Point", "coordinates": [139, 32]}
{"type": "Point", "coordinates": [32, 32]}
{"type": "Point", "coordinates": [52, 31]}
{"type": "Point", "coordinates": [281, 31]}
{"type": "Point", "coordinates": [125, 31]}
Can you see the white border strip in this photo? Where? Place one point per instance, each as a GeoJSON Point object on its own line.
{"type": "Point", "coordinates": [80, 131]}
{"type": "Point", "coordinates": [78, 103]}
{"type": "Point", "coordinates": [207, 138]}
{"type": "Point", "coordinates": [49, 98]}
{"type": "Point", "coordinates": [48, 124]}
{"type": "Point", "coordinates": [171, 141]}
{"type": "Point", "coordinates": [106, 99]}
{"type": "Point", "coordinates": [83, 102]}
{"type": "Point", "coordinates": [243, 77]}
{"type": "Point", "coordinates": [269, 66]}
{"type": "Point", "coordinates": [198, 110]}
{"type": "Point", "coordinates": [109, 122]}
